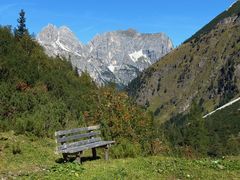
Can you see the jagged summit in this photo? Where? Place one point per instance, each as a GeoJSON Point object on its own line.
{"type": "Point", "coordinates": [116, 56]}
{"type": "Point", "coordinates": [59, 41]}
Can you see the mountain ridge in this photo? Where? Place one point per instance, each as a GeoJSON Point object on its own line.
{"type": "Point", "coordinates": [117, 56]}
{"type": "Point", "coordinates": [233, 9]}
{"type": "Point", "coordinates": [205, 69]}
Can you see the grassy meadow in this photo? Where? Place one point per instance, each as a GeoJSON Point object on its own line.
{"type": "Point", "coordinates": [27, 157]}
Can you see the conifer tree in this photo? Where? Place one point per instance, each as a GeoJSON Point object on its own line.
{"type": "Point", "coordinates": [197, 133]}
{"type": "Point", "coordinates": [21, 29]}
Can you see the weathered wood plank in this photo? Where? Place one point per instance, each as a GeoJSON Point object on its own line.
{"type": "Point", "coordinates": [71, 143]}
{"type": "Point", "coordinates": [71, 131]}
{"type": "Point", "coordinates": [79, 143]}
{"type": "Point", "coordinates": [77, 136]}
{"type": "Point", "coordinates": [87, 146]}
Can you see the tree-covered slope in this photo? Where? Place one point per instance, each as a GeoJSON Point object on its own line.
{"type": "Point", "coordinates": [39, 95]}
{"type": "Point", "coordinates": [215, 135]}
{"type": "Point", "coordinates": [205, 69]}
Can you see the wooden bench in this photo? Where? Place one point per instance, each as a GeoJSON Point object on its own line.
{"type": "Point", "coordinates": [75, 141]}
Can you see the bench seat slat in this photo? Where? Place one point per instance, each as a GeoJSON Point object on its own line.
{"type": "Point", "coordinates": [79, 143]}
{"type": "Point", "coordinates": [71, 131]}
{"type": "Point", "coordinates": [86, 147]}
{"type": "Point", "coordinates": [78, 136]}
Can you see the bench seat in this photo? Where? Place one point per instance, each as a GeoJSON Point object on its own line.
{"type": "Point", "coordinates": [86, 147]}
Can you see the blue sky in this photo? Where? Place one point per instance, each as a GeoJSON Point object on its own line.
{"type": "Point", "coordinates": [86, 18]}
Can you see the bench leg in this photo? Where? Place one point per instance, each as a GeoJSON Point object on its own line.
{"type": "Point", "coordinates": [65, 157]}
{"type": "Point", "coordinates": [94, 153]}
{"type": "Point", "coordinates": [106, 150]}
{"type": "Point", "coordinates": [78, 157]}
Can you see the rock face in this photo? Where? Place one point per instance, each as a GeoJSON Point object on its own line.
{"type": "Point", "coordinates": [117, 56]}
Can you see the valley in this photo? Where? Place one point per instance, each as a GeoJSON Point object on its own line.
{"type": "Point", "coordinates": [173, 112]}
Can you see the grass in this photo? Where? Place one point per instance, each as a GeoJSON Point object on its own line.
{"type": "Point", "coordinates": [33, 154]}
{"type": "Point", "coordinates": [145, 168]}
{"type": "Point", "coordinates": [36, 160]}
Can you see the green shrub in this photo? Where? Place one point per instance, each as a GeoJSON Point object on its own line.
{"type": "Point", "coordinates": [125, 148]}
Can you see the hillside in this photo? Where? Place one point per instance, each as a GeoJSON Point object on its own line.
{"type": "Point", "coordinates": [205, 69]}
{"type": "Point", "coordinates": [231, 11]}
{"type": "Point", "coordinates": [39, 95]}
{"type": "Point", "coordinates": [215, 135]}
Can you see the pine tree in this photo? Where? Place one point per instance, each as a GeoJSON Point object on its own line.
{"type": "Point", "coordinates": [21, 29]}
{"type": "Point", "coordinates": [197, 133]}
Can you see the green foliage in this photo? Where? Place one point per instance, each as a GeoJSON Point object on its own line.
{"type": "Point", "coordinates": [45, 119]}
{"type": "Point", "coordinates": [217, 135]}
{"type": "Point", "coordinates": [233, 145]}
{"type": "Point", "coordinates": [196, 135]}
{"type": "Point", "coordinates": [126, 148]}
{"type": "Point", "coordinates": [223, 127]}
{"type": "Point", "coordinates": [121, 120]}
{"type": "Point", "coordinates": [40, 95]}
{"type": "Point", "coordinates": [21, 30]}
{"type": "Point", "coordinates": [188, 131]}
{"type": "Point", "coordinates": [227, 83]}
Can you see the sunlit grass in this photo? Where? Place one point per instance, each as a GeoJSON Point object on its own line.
{"type": "Point", "coordinates": [37, 161]}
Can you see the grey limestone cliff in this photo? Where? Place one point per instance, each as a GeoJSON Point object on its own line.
{"type": "Point", "coordinates": [117, 56]}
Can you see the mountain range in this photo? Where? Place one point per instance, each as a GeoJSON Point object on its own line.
{"type": "Point", "coordinates": [117, 56]}
{"type": "Point", "coordinates": [205, 68]}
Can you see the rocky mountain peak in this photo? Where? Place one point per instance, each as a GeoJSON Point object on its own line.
{"type": "Point", "coordinates": [129, 32]}
{"type": "Point", "coordinates": [49, 33]}
{"type": "Point", "coordinates": [59, 41]}
{"type": "Point", "coordinates": [116, 56]}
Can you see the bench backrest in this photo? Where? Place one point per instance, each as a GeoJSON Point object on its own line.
{"type": "Point", "coordinates": [77, 137]}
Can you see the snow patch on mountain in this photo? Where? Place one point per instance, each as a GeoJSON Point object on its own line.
{"type": "Point", "coordinates": [61, 45]}
{"type": "Point", "coordinates": [222, 107]}
{"type": "Point", "coordinates": [111, 68]}
{"type": "Point", "coordinates": [136, 55]}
